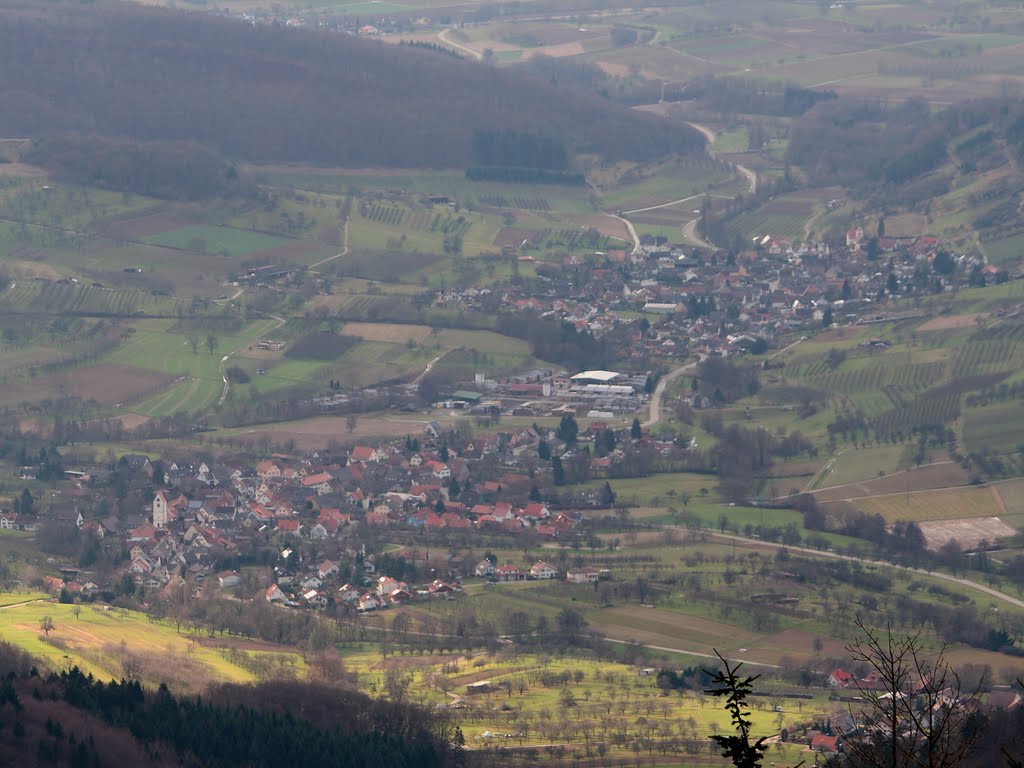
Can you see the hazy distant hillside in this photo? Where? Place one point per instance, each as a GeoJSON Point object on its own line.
{"type": "Point", "coordinates": [270, 94]}
{"type": "Point", "coordinates": [962, 159]}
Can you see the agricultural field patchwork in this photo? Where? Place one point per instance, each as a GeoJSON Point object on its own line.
{"type": "Point", "coordinates": [483, 686]}
{"type": "Point", "coordinates": [157, 346]}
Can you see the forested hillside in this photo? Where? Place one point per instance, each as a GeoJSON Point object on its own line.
{"type": "Point", "coordinates": [871, 143]}
{"type": "Point", "coordinates": [961, 160]}
{"type": "Point", "coordinates": [74, 720]}
{"type": "Point", "coordinates": [272, 94]}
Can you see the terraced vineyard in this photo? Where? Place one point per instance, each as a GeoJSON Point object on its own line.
{"type": "Point", "coordinates": [383, 213]}
{"type": "Point", "coordinates": [575, 239]}
{"type": "Point", "coordinates": [525, 203]}
{"type": "Point", "coordinates": [58, 297]}
{"type": "Point", "coordinates": [454, 226]}
{"type": "Point", "coordinates": [995, 427]}
{"type": "Point", "coordinates": [513, 237]}
{"type": "Point", "coordinates": [758, 224]}
{"type": "Point", "coordinates": [988, 356]}
{"type": "Point", "coordinates": [875, 387]}
{"type": "Point", "coordinates": [419, 220]}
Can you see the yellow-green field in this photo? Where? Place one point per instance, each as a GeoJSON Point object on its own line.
{"type": "Point", "coordinates": [600, 691]}
{"type": "Point", "coordinates": [108, 642]}
{"type": "Point", "coordinates": [948, 504]}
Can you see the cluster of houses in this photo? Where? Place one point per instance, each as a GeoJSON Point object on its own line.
{"type": "Point", "coordinates": [719, 304]}
{"type": "Point", "coordinates": [316, 588]}
{"type": "Point", "coordinates": [315, 591]}
{"type": "Point", "coordinates": [831, 739]}
{"type": "Point", "coordinates": [202, 515]}
{"type": "Point", "coordinates": [540, 570]}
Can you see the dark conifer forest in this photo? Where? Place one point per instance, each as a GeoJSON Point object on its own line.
{"type": "Point", "coordinates": [72, 719]}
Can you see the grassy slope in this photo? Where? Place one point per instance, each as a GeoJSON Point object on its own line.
{"type": "Point", "coordinates": [92, 641]}
{"type": "Point", "coordinates": [155, 347]}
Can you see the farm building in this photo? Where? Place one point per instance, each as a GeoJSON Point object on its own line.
{"type": "Point", "coordinates": [596, 377]}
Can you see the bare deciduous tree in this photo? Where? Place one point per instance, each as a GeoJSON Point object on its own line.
{"type": "Point", "coordinates": [916, 712]}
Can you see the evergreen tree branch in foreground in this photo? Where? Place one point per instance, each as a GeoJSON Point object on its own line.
{"type": "Point", "coordinates": [727, 684]}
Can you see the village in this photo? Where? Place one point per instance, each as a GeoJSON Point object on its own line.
{"type": "Point", "coordinates": [193, 518]}
{"type": "Point", "coordinates": [716, 303]}
{"type": "Point", "coordinates": [203, 517]}
{"type": "Point", "coordinates": [646, 311]}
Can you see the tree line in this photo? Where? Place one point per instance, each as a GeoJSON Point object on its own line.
{"type": "Point", "coordinates": [756, 97]}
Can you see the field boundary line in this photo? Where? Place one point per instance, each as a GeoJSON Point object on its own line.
{"type": "Point", "coordinates": [26, 602]}
{"type": "Point", "coordinates": [880, 563]}
{"type": "Point", "coordinates": [662, 205]}
{"type": "Point", "coordinates": [871, 479]}
{"type": "Point", "coordinates": [701, 654]}
{"type": "Point", "coordinates": [223, 367]}
{"type": "Point", "coordinates": [344, 250]}
{"type": "Point", "coordinates": [998, 497]}
{"type": "Point", "coordinates": [443, 37]}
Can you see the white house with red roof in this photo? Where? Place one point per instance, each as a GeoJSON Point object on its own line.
{"type": "Point", "coordinates": [438, 587]}
{"type": "Point", "coordinates": [327, 568]}
{"type": "Point", "coordinates": [368, 602]}
{"type": "Point", "coordinates": [840, 678]}
{"type": "Point", "coordinates": [536, 511]}
{"type": "Point", "coordinates": [439, 469]}
{"type": "Point", "coordinates": [320, 482]}
{"type": "Point", "coordinates": [143, 533]}
{"type": "Point", "coordinates": [542, 570]}
{"type": "Point", "coordinates": [267, 468]}
{"type": "Point", "coordinates": [274, 594]}
{"type": "Point", "coordinates": [503, 511]}
{"type": "Point", "coordinates": [347, 593]}
{"type": "Point", "coordinates": [365, 453]}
